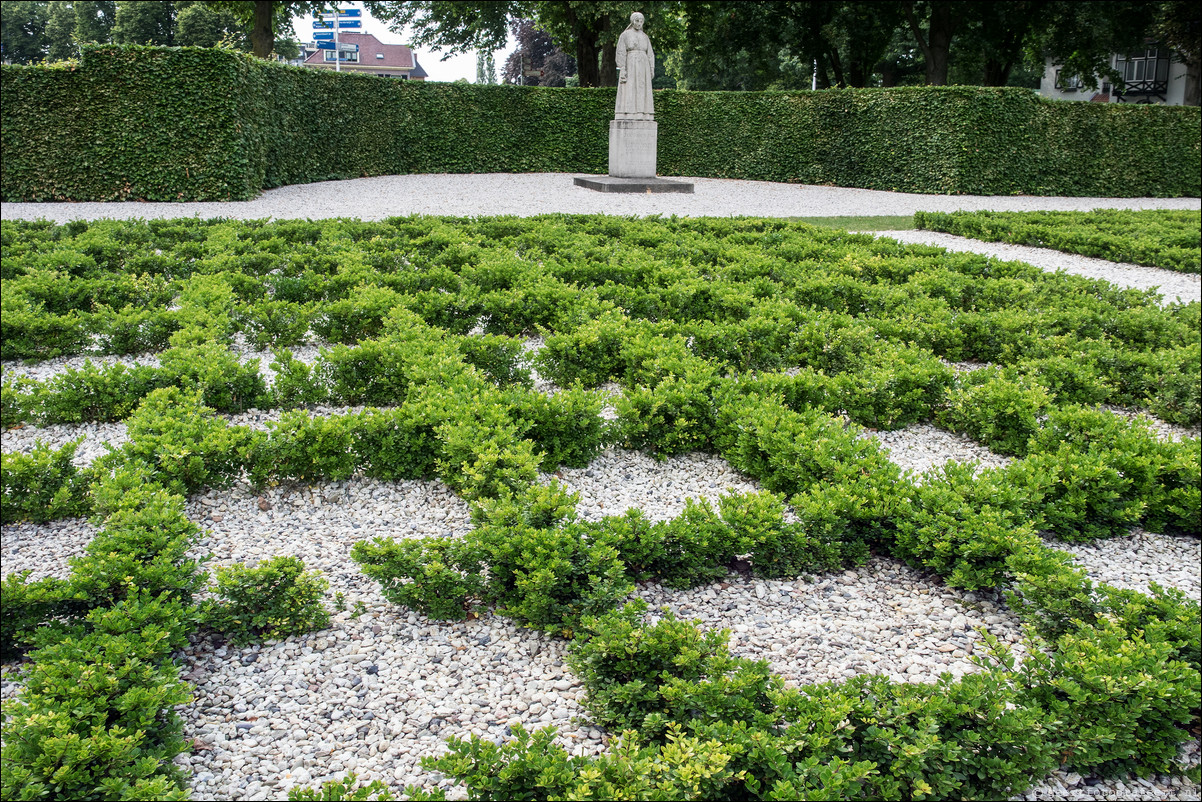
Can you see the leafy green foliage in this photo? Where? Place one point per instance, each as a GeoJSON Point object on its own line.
{"type": "Point", "coordinates": [96, 718]}
{"type": "Point", "coordinates": [439, 577]}
{"type": "Point", "coordinates": [965, 527]}
{"type": "Point", "coordinates": [42, 485]}
{"type": "Point", "coordinates": [177, 441]}
{"type": "Point", "coordinates": [997, 412]}
{"type": "Point", "coordinates": [142, 548]}
{"type": "Point", "coordinates": [1083, 494]}
{"type": "Point", "coordinates": [532, 766]}
{"type": "Point", "coordinates": [24, 606]}
{"type": "Point", "coordinates": [1158, 238]}
{"type": "Point", "coordinates": [349, 789]}
{"type": "Point", "coordinates": [260, 132]}
{"type": "Point", "coordinates": [643, 678]}
{"type": "Point", "coordinates": [276, 598]}
{"type": "Point", "coordinates": [1110, 690]}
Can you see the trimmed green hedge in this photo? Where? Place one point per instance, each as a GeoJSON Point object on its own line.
{"type": "Point", "coordinates": [1162, 238]}
{"type": "Point", "coordinates": [128, 124]}
{"type": "Point", "coordinates": [195, 124]}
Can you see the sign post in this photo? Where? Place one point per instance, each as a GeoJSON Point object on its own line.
{"type": "Point", "coordinates": [343, 18]}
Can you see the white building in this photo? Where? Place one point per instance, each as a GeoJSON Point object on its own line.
{"type": "Point", "coordinates": [1149, 76]}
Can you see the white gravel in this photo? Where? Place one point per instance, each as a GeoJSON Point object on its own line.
{"type": "Point", "coordinates": [1174, 286]}
{"type": "Point", "coordinates": [247, 354]}
{"type": "Point", "coordinates": [526, 194]}
{"type": "Point", "coordinates": [922, 447]}
{"type": "Point", "coordinates": [49, 368]}
{"type": "Point", "coordinates": [619, 480]}
{"type": "Point", "coordinates": [1136, 560]}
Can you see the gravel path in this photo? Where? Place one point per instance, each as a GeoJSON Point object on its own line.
{"type": "Point", "coordinates": [1174, 286]}
{"type": "Point", "coordinates": [525, 194]}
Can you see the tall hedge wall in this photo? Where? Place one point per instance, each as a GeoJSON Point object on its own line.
{"type": "Point", "coordinates": [127, 123]}
{"type": "Point", "coordinates": [194, 124]}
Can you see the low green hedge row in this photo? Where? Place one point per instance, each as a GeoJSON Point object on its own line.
{"type": "Point", "coordinates": [531, 558]}
{"type": "Point", "coordinates": [1155, 238]}
{"type": "Point", "coordinates": [170, 124]}
{"type": "Point", "coordinates": [1084, 473]}
{"type": "Point", "coordinates": [97, 716]}
{"type": "Point", "coordinates": [612, 296]}
{"type": "Point", "coordinates": [448, 420]}
{"type": "Point", "coordinates": [1111, 683]}
{"type": "Point", "coordinates": [698, 723]}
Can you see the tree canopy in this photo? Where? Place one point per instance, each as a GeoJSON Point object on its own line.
{"type": "Point", "coordinates": [32, 32]}
{"type": "Point", "coordinates": [703, 44]}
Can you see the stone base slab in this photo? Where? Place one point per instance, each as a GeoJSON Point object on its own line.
{"type": "Point", "coordinates": [649, 186]}
{"type": "Point", "coordinates": [633, 146]}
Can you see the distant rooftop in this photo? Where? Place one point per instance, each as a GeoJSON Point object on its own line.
{"type": "Point", "coordinates": [373, 53]}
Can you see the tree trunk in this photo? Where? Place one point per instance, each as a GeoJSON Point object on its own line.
{"type": "Point", "coordinates": [262, 35]}
{"type": "Point", "coordinates": [586, 61]}
{"type": "Point", "coordinates": [997, 73]}
{"type": "Point", "coordinates": [609, 64]}
{"type": "Point", "coordinates": [938, 41]}
{"type": "Point", "coordinates": [857, 75]}
{"type": "Point", "coordinates": [888, 72]}
{"type": "Point", "coordinates": [837, 66]}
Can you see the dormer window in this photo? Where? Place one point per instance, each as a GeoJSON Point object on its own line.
{"type": "Point", "coordinates": [380, 56]}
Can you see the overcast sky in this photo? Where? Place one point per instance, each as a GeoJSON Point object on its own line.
{"type": "Point", "coordinates": [454, 68]}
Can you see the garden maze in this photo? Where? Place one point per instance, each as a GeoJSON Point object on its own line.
{"type": "Point", "coordinates": [458, 479]}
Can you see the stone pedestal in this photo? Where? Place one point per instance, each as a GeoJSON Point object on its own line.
{"type": "Point", "coordinates": [632, 148]}
{"type": "Point", "coordinates": [641, 186]}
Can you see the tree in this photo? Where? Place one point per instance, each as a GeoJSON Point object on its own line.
{"type": "Point", "coordinates": [94, 20]}
{"type": "Point", "coordinates": [265, 19]}
{"type": "Point", "coordinates": [200, 25]}
{"type": "Point", "coordinates": [536, 50]}
{"type": "Point", "coordinates": [144, 22]}
{"type": "Point", "coordinates": [589, 29]}
{"type": "Point", "coordinates": [60, 31]}
{"type": "Point", "coordinates": [592, 30]}
{"type": "Point", "coordinates": [731, 45]}
{"type": "Point", "coordinates": [935, 41]}
{"type": "Point", "coordinates": [1179, 26]}
{"type": "Point", "coordinates": [486, 68]}
{"type": "Point", "coordinates": [23, 31]}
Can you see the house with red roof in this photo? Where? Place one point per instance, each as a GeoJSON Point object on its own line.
{"type": "Point", "coordinates": [373, 58]}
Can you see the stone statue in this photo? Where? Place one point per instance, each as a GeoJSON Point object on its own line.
{"type": "Point", "coordinates": [636, 63]}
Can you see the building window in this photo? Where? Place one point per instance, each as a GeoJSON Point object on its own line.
{"type": "Point", "coordinates": [1067, 83]}
{"type": "Point", "coordinates": [1145, 72]}
{"type": "Point", "coordinates": [342, 56]}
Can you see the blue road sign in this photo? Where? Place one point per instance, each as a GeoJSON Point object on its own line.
{"type": "Point", "coordinates": [319, 24]}
{"type": "Point", "coordinates": [325, 45]}
{"type": "Point", "coordinates": [353, 24]}
{"type": "Point", "coordinates": [349, 12]}
{"type": "Point", "coordinates": [321, 36]}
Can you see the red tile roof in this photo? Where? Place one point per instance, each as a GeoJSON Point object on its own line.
{"type": "Point", "coordinates": [398, 57]}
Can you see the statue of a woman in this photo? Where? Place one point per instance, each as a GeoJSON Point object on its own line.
{"type": "Point", "coordinates": [636, 63]}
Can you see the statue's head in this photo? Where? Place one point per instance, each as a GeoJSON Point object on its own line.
{"type": "Point", "coordinates": [636, 21]}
